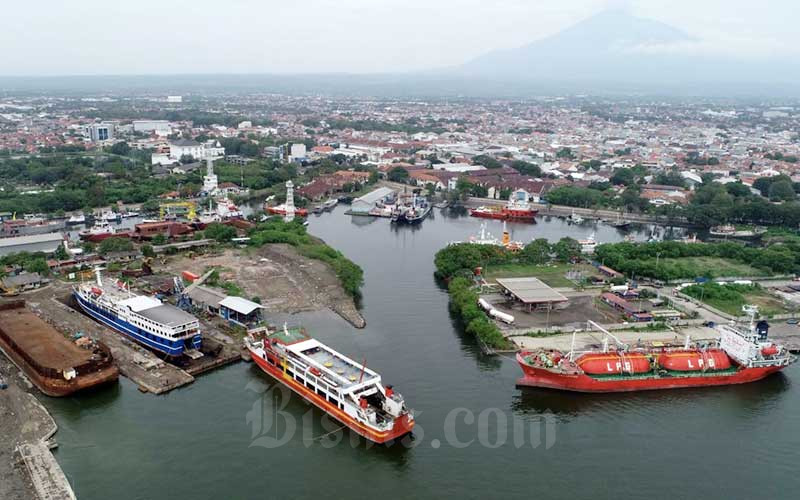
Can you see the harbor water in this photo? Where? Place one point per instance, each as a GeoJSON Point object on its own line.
{"type": "Point", "coordinates": [234, 434]}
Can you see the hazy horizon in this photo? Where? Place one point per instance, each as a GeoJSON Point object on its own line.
{"type": "Point", "coordinates": [347, 36]}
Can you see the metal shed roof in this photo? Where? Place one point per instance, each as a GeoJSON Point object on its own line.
{"type": "Point", "coordinates": [530, 290]}
{"type": "Point", "coordinates": [240, 305]}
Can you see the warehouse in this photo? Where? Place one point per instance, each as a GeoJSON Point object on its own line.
{"type": "Point", "coordinates": [367, 202]}
{"type": "Point", "coordinates": [47, 243]}
{"type": "Point", "coordinates": [532, 293]}
{"type": "Point", "coordinates": [240, 311]}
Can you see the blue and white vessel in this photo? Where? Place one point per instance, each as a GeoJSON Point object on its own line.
{"type": "Point", "coordinates": [144, 319]}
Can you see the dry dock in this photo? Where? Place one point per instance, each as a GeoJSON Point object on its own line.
{"type": "Point", "coordinates": [135, 362]}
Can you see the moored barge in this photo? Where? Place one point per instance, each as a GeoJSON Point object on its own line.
{"type": "Point", "coordinates": [57, 366]}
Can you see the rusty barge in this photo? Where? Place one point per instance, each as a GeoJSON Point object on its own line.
{"type": "Point", "coordinates": [57, 366]}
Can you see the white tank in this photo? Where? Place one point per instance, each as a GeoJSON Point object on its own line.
{"type": "Point", "coordinates": [486, 306]}
{"type": "Point", "coordinates": [504, 317]}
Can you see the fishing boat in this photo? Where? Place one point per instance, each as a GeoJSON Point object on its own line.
{"type": "Point", "coordinates": [344, 389]}
{"type": "Point", "coordinates": [740, 355]}
{"type": "Point", "coordinates": [144, 319]}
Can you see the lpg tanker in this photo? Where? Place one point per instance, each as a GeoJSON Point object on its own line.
{"type": "Point", "coordinates": [739, 355]}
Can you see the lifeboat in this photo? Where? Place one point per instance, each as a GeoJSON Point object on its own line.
{"type": "Point", "coordinates": [613, 363]}
{"type": "Point", "coordinates": [692, 361]}
{"type": "Point", "coordinates": [770, 350]}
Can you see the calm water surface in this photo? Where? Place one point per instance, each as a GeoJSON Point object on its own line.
{"type": "Point", "coordinates": [206, 440]}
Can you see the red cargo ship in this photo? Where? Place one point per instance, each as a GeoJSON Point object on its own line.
{"type": "Point", "coordinates": [739, 356]}
{"type": "Point", "coordinates": [347, 391]}
{"type": "Point", "coordinates": [517, 209]}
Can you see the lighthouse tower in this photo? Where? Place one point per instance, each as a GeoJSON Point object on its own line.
{"type": "Point", "coordinates": [289, 201]}
{"type": "Point", "coordinates": [210, 181]}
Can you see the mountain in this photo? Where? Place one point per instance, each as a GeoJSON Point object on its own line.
{"type": "Point", "coordinates": [615, 46]}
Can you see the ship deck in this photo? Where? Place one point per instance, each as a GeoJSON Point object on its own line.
{"type": "Point", "coordinates": [39, 340]}
{"type": "Point", "coordinates": [167, 314]}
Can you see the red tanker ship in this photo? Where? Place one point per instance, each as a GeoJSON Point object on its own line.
{"type": "Point", "coordinates": [739, 356]}
{"type": "Point", "coordinates": [517, 209]}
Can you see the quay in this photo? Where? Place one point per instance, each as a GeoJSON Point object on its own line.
{"type": "Point", "coordinates": [28, 468]}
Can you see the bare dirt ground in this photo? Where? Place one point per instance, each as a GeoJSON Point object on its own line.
{"type": "Point", "coordinates": [582, 307]}
{"type": "Point", "coordinates": [284, 281]}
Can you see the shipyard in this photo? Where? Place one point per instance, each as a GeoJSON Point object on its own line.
{"type": "Point", "coordinates": [433, 250]}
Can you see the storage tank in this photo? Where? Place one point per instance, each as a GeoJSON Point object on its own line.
{"type": "Point", "coordinates": [485, 305]}
{"type": "Point", "coordinates": [504, 317]}
{"type": "Point", "coordinates": [692, 361]}
{"type": "Point", "coordinates": [612, 363]}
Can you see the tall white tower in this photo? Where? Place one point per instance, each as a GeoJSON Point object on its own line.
{"type": "Point", "coordinates": [289, 201]}
{"type": "Point", "coordinates": [210, 181]}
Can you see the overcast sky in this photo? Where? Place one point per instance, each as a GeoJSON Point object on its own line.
{"type": "Point", "coordinates": [70, 37]}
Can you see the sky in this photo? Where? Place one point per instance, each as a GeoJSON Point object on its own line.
{"type": "Point", "coordinates": [81, 37]}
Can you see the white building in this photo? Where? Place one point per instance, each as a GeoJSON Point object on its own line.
{"type": "Point", "coordinates": [298, 152]}
{"type": "Point", "coordinates": [100, 132]}
{"type": "Point", "coordinates": [160, 127]}
{"type": "Point", "coordinates": [174, 98]}
{"type": "Point", "coordinates": [185, 147]}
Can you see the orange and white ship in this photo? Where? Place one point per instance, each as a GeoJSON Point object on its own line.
{"type": "Point", "coordinates": [347, 391]}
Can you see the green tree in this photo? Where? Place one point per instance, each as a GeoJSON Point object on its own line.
{"type": "Point", "coordinates": [220, 232]}
{"type": "Point", "coordinates": [487, 161]}
{"type": "Point", "coordinates": [536, 252]}
{"type": "Point", "coordinates": [114, 244]}
{"type": "Point", "coordinates": [61, 253]}
{"type": "Point", "coordinates": [120, 148]}
{"type": "Point", "coordinates": [623, 177]}
{"type": "Point", "coordinates": [398, 174]}
{"type": "Point", "coordinates": [567, 249]}
{"type": "Point", "coordinates": [147, 251]}
{"type": "Point", "coordinates": [159, 239]}
{"type": "Point", "coordinates": [782, 190]}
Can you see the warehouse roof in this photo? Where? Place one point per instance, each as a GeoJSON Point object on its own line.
{"type": "Point", "coordinates": [374, 196]}
{"type": "Point", "coordinates": [30, 238]}
{"type": "Point", "coordinates": [240, 305]}
{"type": "Point", "coordinates": [530, 290]}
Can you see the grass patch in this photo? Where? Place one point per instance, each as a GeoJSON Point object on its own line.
{"type": "Point", "coordinates": [552, 275]}
{"type": "Point", "coordinates": [730, 298]}
{"type": "Point", "coordinates": [700, 266]}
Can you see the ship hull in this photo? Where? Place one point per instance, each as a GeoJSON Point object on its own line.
{"type": "Point", "coordinates": [526, 216]}
{"type": "Point", "coordinates": [402, 425]}
{"type": "Point", "coordinates": [300, 212]}
{"type": "Point", "coordinates": [97, 238]}
{"type": "Point", "coordinates": [549, 379]}
{"type": "Point", "coordinates": [134, 333]}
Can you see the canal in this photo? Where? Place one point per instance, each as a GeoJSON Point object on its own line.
{"type": "Point", "coordinates": [232, 434]}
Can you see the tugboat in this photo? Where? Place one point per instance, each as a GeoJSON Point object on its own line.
{"type": "Point", "coordinates": [740, 355]}
{"type": "Point", "coordinates": [347, 391]}
{"type": "Point", "coordinates": [416, 213]}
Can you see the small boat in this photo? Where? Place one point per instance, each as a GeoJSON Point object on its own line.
{"type": "Point", "coordinates": [330, 204]}
{"type": "Point", "coordinates": [574, 218]}
{"type": "Point", "coordinates": [75, 220]}
{"type": "Point", "coordinates": [588, 245]}
{"type": "Point", "coordinates": [730, 231]}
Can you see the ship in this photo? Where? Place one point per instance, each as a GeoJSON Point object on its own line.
{"type": "Point", "coordinates": [346, 390]}
{"type": "Point", "coordinates": [100, 231]}
{"type": "Point", "coordinates": [729, 231]}
{"type": "Point", "coordinates": [740, 355]}
{"type": "Point", "coordinates": [588, 245]}
{"type": "Point", "coordinates": [486, 238]}
{"type": "Point", "coordinates": [146, 320]}
{"type": "Point", "coordinates": [76, 219]}
{"type": "Point", "coordinates": [517, 209]}
{"type": "Point", "coordinates": [57, 365]}
{"type": "Point", "coordinates": [416, 213]}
